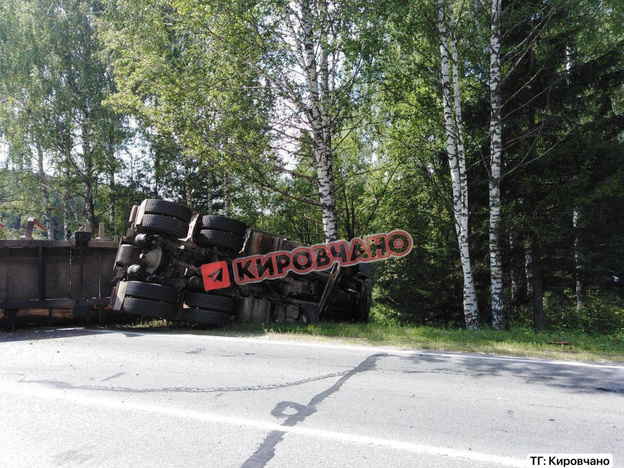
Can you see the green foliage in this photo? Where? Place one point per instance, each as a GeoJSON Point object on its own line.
{"type": "Point", "coordinates": [109, 102]}
{"type": "Point", "coordinates": [602, 313]}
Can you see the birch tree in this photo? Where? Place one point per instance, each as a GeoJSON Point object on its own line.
{"type": "Point", "coordinates": [319, 112]}
{"type": "Point", "coordinates": [311, 36]}
{"type": "Point", "coordinates": [23, 98]}
{"type": "Point", "coordinates": [300, 48]}
{"type": "Point", "coordinates": [453, 129]}
{"type": "Point", "coordinates": [57, 84]}
{"type": "Point", "coordinates": [496, 268]}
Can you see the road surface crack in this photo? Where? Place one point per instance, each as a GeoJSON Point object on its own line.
{"type": "Point", "coordinates": [118, 389]}
{"type": "Point", "coordinates": [296, 413]}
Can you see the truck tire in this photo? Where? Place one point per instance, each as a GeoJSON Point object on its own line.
{"type": "Point", "coordinates": [162, 207]}
{"type": "Point", "coordinates": [152, 309]}
{"type": "Point", "coordinates": [222, 223]}
{"type": "Point", "coordinates": [207, 317]}
{"type": "Point", "coordinates": [226, 240]}
{"type": "Point", "coordinates": [365, 301]}
{"type": "Point", "coordinates": [151, 291]}
{"type": "Point", "coordinates": [208, 301]}
{"type": "Point", "coordinates": [309, 314]}
{"type": "Point", "coordinates": [160, 224]}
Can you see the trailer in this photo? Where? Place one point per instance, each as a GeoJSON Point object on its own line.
{"type": "Point", "coordinates": [53, 275]}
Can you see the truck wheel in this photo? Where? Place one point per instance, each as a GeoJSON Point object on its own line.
{"type": "Point", "coordinates": [156, 292]}
{"type": "Point", "coordinates": [309, 314]}
{"type": "Point", "coordinates": [226, 240]}
{"type": "Point", "coordinates": [207, 317]}
{"type": "Point", "coordinates": [9, 317]}
{"type": "Point", "coordinates": [162, 207]}
{"type": "Point", "coordinates": [160, 224]}
{"type": "Point", "coordinates": [222, 223]}
{"type": "Point", "coordinates": [365, 301]}
{"type": "Point", "coordinates": [208, 301]}
{"type": "Point", "coordinates": [153, 309]}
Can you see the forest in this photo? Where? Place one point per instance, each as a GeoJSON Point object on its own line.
{"type": "Point", "coordinates": [491, 130]}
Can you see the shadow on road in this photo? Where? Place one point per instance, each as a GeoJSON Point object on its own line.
{"type": "Point", "coordinates": [35, 334]}
{"type": "Point", "coordinates": [571, 377]}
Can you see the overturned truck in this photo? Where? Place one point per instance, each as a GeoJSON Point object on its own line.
{"type": "Point", "coordinates": [159, 273]}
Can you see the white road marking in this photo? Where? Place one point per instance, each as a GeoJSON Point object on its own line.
{"type": "Point", "coordinates": [370, 349]}
{"type": "Point", "coordinates": [24, 390]}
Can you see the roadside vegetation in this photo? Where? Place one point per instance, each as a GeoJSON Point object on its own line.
{"type": "Point", "coordinates": [518, 341]}
{"type": "Point", "coordinates": [491, 131]}
{"type": "Point", "coordinates": [558, 341]}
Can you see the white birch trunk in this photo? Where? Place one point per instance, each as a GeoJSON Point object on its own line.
{"type": "Point", "coordinates": [457, 159]}
{"type": "Point", "coordinates": [209, 189]}
{"type": "Point", "coordinates": [528, 269]}
{"type": "Point", "coordinates": [318, 85]}
{"type": "Point", "coordinates": [66, 199]}
{"type": "Point", "coordinates": [496, 268]}
{"type": "Point", "coordinates": [578, 261]}
{"type": "Point", "coordinates": [188, 199]}
{"type": "Point", "coordinates": [113, 200]}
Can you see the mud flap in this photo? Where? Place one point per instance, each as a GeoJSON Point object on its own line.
{"type": "Point", "coordinates": [119, 295]}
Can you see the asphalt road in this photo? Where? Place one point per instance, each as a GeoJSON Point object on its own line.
{"type": "Point", "coordinates": [115, 399]}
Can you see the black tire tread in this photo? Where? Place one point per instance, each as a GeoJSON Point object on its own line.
{"type": "Point", "coordinates": [207, 317]}
{"type": "Point", "coordinates": [226, 240]}
{"type": "Point", "coordinates": [208, 301]}
{"type": "Point", "coordinates": [152, 309]}
{"type": "Point", "coordinates": [223, 223]}
{"type": "Point", "coordinates": [160, 224]}
{"type": "Point", "coordinates": [151, 291]}
{"type": "Point", "coordinates": [167, 208]}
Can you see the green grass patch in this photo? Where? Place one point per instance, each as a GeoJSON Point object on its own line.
{"type": "Point", "coordinates": [566, 339]}
{"type": "Point", "coordinates": [515, 342]}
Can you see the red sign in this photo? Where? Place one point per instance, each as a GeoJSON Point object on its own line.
{"type": "Point", "coordinates": [320, 257]}
{"type": "Point", "coordinates": [304, 260]}
{"type": "Point", "coordinates": [215, 276]}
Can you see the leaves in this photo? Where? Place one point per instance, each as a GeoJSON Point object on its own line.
{"type": "Point", "coordinates": [229, 106]}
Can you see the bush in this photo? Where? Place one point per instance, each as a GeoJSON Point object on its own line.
{"type": "Point", "coordinates": [602, 313]}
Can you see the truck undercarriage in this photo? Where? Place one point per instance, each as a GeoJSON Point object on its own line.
{"type": "Point", "coordinates": [159, 263]}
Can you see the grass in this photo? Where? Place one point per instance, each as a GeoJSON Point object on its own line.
{"type": "Point", "coordinates": [515, 342]}
{"type": "Point", "coordinates": [385, 329]}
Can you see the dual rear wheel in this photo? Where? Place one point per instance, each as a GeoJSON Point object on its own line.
{"type": "Point", "coordinates": [172, 220]}
{"type": "Point", "coordinates": [160, 301]}
{"type": "Point", "coordinates": [166, 218]}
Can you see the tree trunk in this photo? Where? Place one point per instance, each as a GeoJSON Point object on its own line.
{"type": "Point", "coordinates": [537, 277]}
{"type": "Point", "coordinates": [517, 270]}
{"type": "Point", "coordinates": [66, 198]}
{"type": "Point", "coordinates": [578, 260]}
{"type": "Point", "coordinates": [327, 198]}
{"type": "Point", "coordinates": [187, 184]}
{"type": "Point", "coordinates": [89, 204]}
{"type": "Point", "coordinates": [157, 173]}
{"type": "Point", "coordinates": [496, 268]}
{"type": "Point", "coordinates": [457, 159]}
{"type": "Point", "coordinates": [576, 211]}
{"type": "Point", "coordinates": [317, 77]}
{"type": "Point", "coordinates": [528, 270]}
{"type": "Point", "coordinates": [113, 199]}
{"type": "Point", "coordinates": [209, 189]}
{"type": "Point", "coordinates": [45, 194]}
{"type": "Point", "coordinates": [226, 195]}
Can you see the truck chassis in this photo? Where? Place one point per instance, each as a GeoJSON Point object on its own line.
{"type": "Point", "coordinates": [158, 273]}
